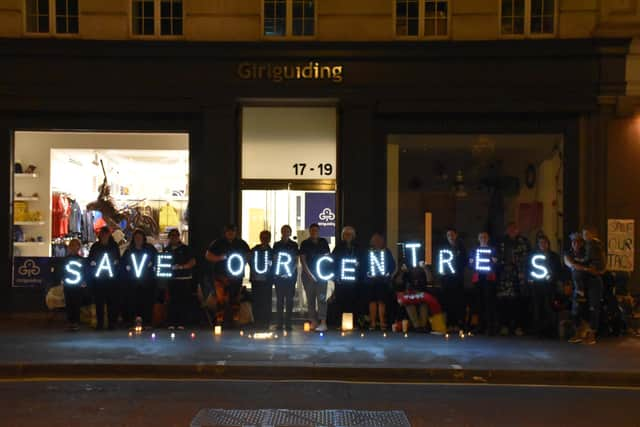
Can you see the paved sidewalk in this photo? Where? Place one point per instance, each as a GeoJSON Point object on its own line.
{"type": "Point", "coordinates": [27, 352]}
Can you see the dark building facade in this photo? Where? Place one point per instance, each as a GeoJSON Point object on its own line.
{"type": "Point", "coordinates": [561, 87]}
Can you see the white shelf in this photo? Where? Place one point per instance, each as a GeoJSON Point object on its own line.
{"type": "Point", "coordinates": [28, 244]}
{"type": "Point", "coordinates": [25, 175]}
{"type": "Point", "coordinates": [26, 199]}
{"type": "Point", "coordinates": [29, 223]}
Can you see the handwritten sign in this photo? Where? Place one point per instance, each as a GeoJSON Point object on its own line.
{"type": "Point", "coordinates": [620, 244]}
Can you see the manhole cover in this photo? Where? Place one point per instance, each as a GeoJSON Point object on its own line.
{"type": "Point", "coordinates": [298, 418]}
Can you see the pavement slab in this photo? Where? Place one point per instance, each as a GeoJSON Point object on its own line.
{"type": "Point", "coordinates": [372, 357]}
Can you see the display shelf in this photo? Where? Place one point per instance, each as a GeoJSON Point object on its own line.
{"type": "Point", "coordinates": [26, 244]}
{"type": "Point", "coordinates": [25, 175]}
{"type": "Point", "coordinates": [29, 223]}
{"type": "Point", "coordinates": [26, 199]}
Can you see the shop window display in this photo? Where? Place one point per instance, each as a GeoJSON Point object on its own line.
{"type": "Point", "coordinates": [68, 185]}
{"type": "Point", "coordinates": [475, 183]}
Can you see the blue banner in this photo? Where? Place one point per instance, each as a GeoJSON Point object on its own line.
{"type": "Point", "coordinates": [32, 272]}
{"type": "Point", "coordinates": [321, 209]}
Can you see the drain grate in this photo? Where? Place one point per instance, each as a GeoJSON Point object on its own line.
{"type": "Point", "coordinates": [298, 418]}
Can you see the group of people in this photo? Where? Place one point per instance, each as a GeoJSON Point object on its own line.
{"type": "Point", "coordinates": [126, 283]}
{"type": "Point", "coordinates": [512, 285]}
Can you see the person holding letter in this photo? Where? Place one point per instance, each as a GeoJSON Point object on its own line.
{"type": "Point", "coordinates": [262, 280]}
{"type": "Point", "coordinates": [104, 257]}
{"type": "Point", "coordinates": [181, 283]}
{"type": "Point", "coordinates": [71, 273]}
{"type": "Point", "coordinates": [544, 272]}
{"type": "Point", "coordinates": [317, 270]}
{"type": "Point", "coordinates": [139, 262]}
{"type": "Point", "coordinates": [380, 268]}
{"type": "Point", "coordinates": [285, 276]}
{"type": "Point", "coordinates": [229, 257]}
{"type": "Point", "coordinates": [483, 262]}
{"type": "Point", "coordinates": [451, 262]}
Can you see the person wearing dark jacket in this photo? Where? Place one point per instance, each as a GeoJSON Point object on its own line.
{"type": "Point", "coordinates": [451, 263]}
{"type": "Point", "coordinates": [595, 267]}
{"type": "Point", "coordinates": [285, 276]}
{"type": "Point", "coordinates": [139, 263]}
{"type": "Point", "coordinates": [483, 261]}
{"type": "Point", "coordinates": [378, 286]}
{"type": "Point", "coordinates": [262, 280]}
{"type": "Point", "coordinates": [229, 257]}
{"type": "Point", "coordinates": [181, 282]}
{"type": "Point", "coordinates": [544, 273]}
{"type": "Point", "coordinates": [346, 288]}
{"type": "Point", "coordinates": [104, 258]}
{"type": "Point", "coordinates": [71, 272]}
{"type": "Point", "coordinates": [513, 301]}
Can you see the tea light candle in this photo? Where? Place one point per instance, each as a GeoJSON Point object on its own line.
{"type": "Point", "coordinates": [217, 330]}
{"type": "Point", "coordinates": [307, 327]}
{"type": "Point", "coordinates": [347, 321]}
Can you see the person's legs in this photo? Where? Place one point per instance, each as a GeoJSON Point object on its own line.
{"type": "Point", "coordinates": [281, 293]}
{"type": "Point", "coordinates": [72, 301]}
{"type": "Point", "coordinates": [262, 303]}
{"type": "Point", "coordinates": [113, 304]}
{"type": "Point", "coordinates": [99, 300]}
{"type": "Point", "coordinates": [233, 302]}
{"type": "Point", "coordinates": [321, 295]}
{"type": "Point", "coordinates": [594, 297]}
{"type": "Point", "coordinates": [148, 299]}
{"type": "Point", "coordinates": [289, 293]}
{"type": "Point", "coordinates": [311, 293]}
{"type": "Point", "coordinates": [413, 316]}
{"type": "Point", "coordinates": [424, 316]}
{"type": "Point", "coordinates": [382, 308]}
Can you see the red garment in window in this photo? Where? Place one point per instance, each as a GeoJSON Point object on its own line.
{"type": "Point", "coordinates": [60, 212]}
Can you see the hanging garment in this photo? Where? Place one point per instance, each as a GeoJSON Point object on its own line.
{"type": "Point", "coordinates": [88, 233]}
{"type": "Point", "coordinates": [75, 218]}
{"type": "Point", "coordinates": [60, 211]}
{"type": "Point", "coordinates": [169, 217]}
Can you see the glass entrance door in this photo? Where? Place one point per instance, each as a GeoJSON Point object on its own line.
{"type": "Point", "coordinates": [270, 209]}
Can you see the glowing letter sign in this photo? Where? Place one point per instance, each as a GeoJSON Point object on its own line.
{"type": "Point", "coordinates": [538, 270]}
{"type": "Point", "coordinates": [137, 268]}
{"type": "Point", "coordinates": [445, 257]}
{"type": "Point", "coordinates": [239, 260]}
{"type": "Point", "coordinates": [483, 260]}
{"type": "Point", "coordinates": [163, 266]}
{"type": "Point", "coordinates": [319, 263]}
{"type": "Point", "coordinates": [284, 261]}
{"type": "Point", "coordinates": [413, 248]}
{"type": "Point", "coordinates": [377, 264]}
{"type": "Point", "coordinates": [105, 264]}
{"type": "Point", "coordinates": [348, 269]}
{"type": "Point", "coordinates": [256, 262]}
{"type": "Point", "coordinates": [74, 268]}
